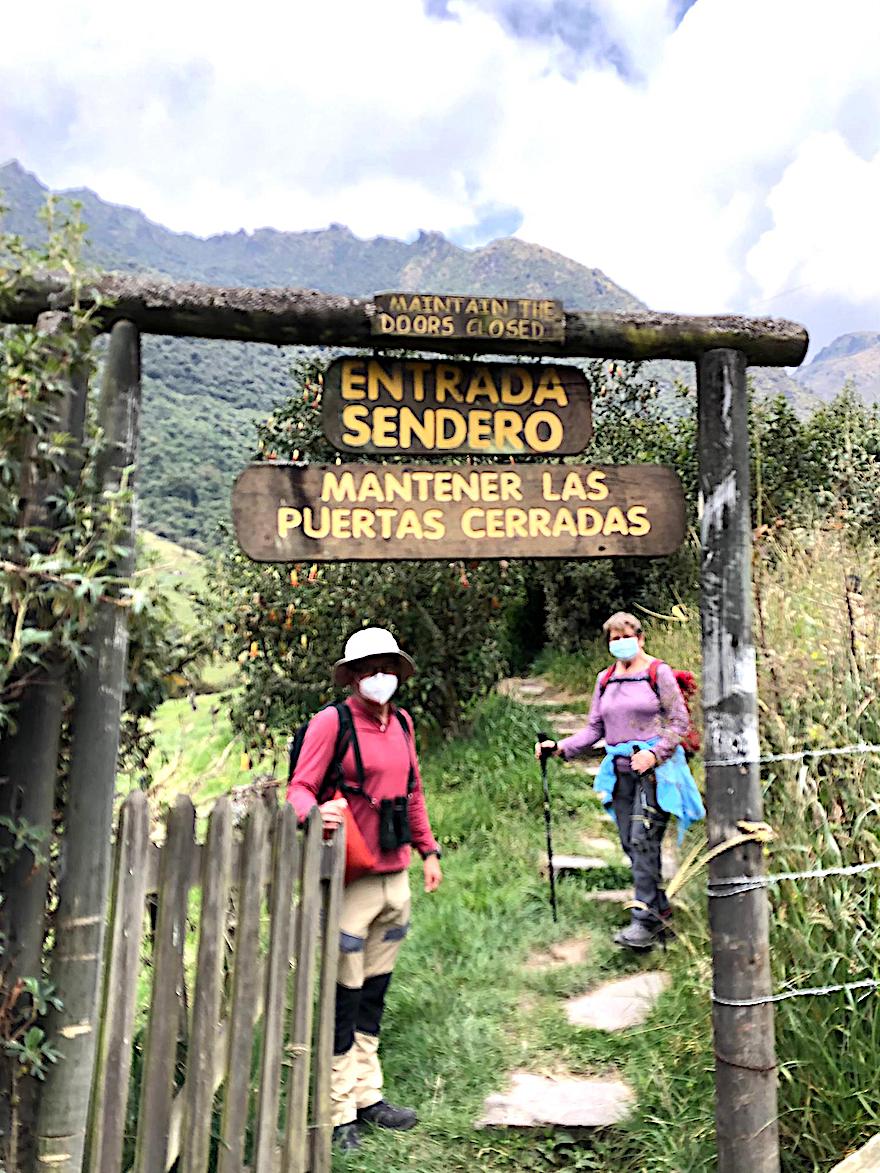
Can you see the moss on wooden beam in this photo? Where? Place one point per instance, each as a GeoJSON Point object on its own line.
{"type": "Point", "coordinates": [305, 317]}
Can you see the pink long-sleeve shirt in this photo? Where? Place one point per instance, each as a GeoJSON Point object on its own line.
{"type": "Point", "coordinates": [386, 753]}
{"type": "Point", "coordinates": [630, 710]}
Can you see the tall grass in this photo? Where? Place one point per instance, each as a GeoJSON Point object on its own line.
{"type": "Point", "coordinates": [818, 644]}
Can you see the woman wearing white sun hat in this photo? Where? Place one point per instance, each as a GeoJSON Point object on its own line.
{"type": "Point", "coordinates": [365, 748]}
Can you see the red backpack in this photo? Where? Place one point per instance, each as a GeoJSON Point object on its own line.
{"type": "Point", "coordinates": [687, 686]}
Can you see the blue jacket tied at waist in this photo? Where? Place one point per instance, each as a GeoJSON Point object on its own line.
{"type": "Point", "coordinates": [676, 789]}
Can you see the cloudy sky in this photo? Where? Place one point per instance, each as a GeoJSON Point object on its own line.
{"type": "Point", "coordinates": [708, 155]}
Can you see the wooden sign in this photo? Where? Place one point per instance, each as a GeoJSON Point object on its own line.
{"type": "Point", "coordinates": [435, 315]}
{"type": "Point", "coordinates": [416, 407]}
{"type": "Point", "coordinates": [315, 513]}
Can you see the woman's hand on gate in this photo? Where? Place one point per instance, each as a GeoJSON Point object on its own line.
{"type": "Point", "coordinates": [333, 813]}
{"type": "Point", "coordinates": [433, 873]}
{"type": "Point", "coordinates": [643, 761]}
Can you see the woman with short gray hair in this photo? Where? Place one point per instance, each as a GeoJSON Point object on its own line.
{"type": "Point", "coordinates": [639, 710]}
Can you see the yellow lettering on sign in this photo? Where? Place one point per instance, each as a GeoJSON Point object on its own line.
{"type": "Point", "coordinates": [355, 417]}
{"type": "Point", "coordinates": [596, 482]}
{"type": "Point", "coordinates": [511, 486]}
{"type": "Point", "coordinates": [547, 490]}
{"type": "Point", "coordinates": [446, 383]}
{"type": "Point", "coordinates": [481, 386]}
{"type": "Point", "coordinates": [469, 519]}
{"type": "Point", "coordinates": [564, 523]}
{"type": "Point", "coordinates": [398, 303]}
{"type": "Point", "coordinates": [517, 523]}
{"type": "Point", "coordinates": [615, 522]}
{"type": "Point", "coordinates": [550, 386]}
{"type": "Point", "coordinates": [435, 526]}
{"type": "Point", "coordinates": [322, 528]}
{"type": "Point", "coordinates": [411, 428]}
{"type": "Point", "coordinates": [451, 429]}
{"type": "Point", "coordinates": [418, 375]}
{"type": "Point", "coordinates": [539, 523]}
{"type": "Point", "coordinates": [370, 488]}
{"type": "Point", "coordinates": [363, 523]}
{"type": "Point", "coordinates": [287, 520]}
{"type": "Point", "coordinates": [554, 431]}
{"type": "Point", "coordinates": [516, 385]}
{"type": "Point", "coordinates": [480, 429]}
{"type": "Point", "coordinates": [378, 380]}
{"type": "Point", "coordinates": [353, 379]}
{"type": "Point", "coordinates": [338, 488]}
{"type": "Point", "coordinates": [385, 427]}
{"type": "Point", "coordinates": [589, 522]}
{"type": "Point", "coordinates": [639, 525]}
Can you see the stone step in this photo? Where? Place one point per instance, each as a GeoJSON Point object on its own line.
{"type": "Point", "coordinates": [536, 1101]}
{"type": "Point", "coordinates": [569, 864]}
{"type": "Point", "coordinates": [866, 1160]}
{"type": "Point", "coordinates": [610, 895]}
{"type": "Point", "coordinates": [571, 952]}
{"type": "Point", "coordinates": [619, 1004]}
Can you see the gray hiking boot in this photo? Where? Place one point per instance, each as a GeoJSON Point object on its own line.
{"type": "Point", "coordinates": [346, 1137]}
{"type": "Point", "coordinates": [637, 936]}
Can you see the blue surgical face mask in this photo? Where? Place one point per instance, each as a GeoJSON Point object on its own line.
{"type": "Point", "coordinates": [625, 648]}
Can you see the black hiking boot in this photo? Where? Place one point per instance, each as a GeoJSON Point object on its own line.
{"type": "Point", "coordinates": [346, 1137]}
{"type": "Point", "coordinates": [385, 1115]}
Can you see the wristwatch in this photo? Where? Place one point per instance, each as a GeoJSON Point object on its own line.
{"type": "Point", "coordinates": [434, 851]}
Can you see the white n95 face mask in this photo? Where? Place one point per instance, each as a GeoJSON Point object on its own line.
{"type": "Point", "coordinates": [380, 687]}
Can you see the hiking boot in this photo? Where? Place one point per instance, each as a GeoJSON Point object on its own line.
{"type": "Point", "coordinates": [385, 1115]}
{"type": "Point", "coordinates": [346, 1137]}
{"type": "Point", "coordinates": [638, 936]}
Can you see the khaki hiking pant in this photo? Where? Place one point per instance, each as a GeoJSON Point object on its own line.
{"type": "Point", "coordinates": [374, 921]}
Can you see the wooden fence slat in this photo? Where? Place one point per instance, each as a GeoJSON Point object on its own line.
{"type": "Point", "coordinates": [204, 1036]}
{"type": "Point", "coordinates": [285, 858]}
{"type": "Point", "coordinates": [331, 892]}
{"type": "Point", "coordinates": [296, 1143]}
{"type": "Point", "coordinates": [160, 1054]}
{"type": "Point", "coordinates": [113, 1065]}
{"type": "Point", "coordinates": [245, 993]}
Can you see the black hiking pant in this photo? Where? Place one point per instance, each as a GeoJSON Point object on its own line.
{"type": "Point", "coordinates": [641, 824]}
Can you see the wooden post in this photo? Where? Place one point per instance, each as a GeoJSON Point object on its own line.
{"type": "Point", "coordinates": [85, 871]}
{"type": "Point", "coordinates": [29, 757]}
{"type": "Point", "coordinates": [745, 1069]}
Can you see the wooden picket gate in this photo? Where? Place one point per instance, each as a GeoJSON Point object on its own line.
{"type": "Point", "coordinates": [225, 1079]}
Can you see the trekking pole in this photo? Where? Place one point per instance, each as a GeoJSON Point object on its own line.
{"type": "Point", "coordinates": [548, 823]}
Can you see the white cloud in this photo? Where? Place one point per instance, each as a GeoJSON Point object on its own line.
{"type": "Point", "coordinates": [741, 160]}
{"type": "Point", "coordinates": [824, 234]}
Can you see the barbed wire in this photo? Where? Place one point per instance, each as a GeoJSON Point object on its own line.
{"type": "Point", "coordinates": [861, 747]}
{"type": "Point", "coordinates": [736, 885]}
{"type": "Point", "coordinates": [742, 1003]}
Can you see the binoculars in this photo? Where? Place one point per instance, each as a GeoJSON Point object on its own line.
{"type": "Point", "coordinates": [394, 823]}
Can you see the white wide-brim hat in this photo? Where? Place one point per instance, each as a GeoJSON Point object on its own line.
{"type": "Point", "coordinates": [371, 641]}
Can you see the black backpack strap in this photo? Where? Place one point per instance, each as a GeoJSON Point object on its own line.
{"type": "Point", "coordinates": [346, 737]}
{"type": "Point", "coordinates": [404, 724]}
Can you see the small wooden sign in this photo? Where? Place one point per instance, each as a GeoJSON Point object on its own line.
{"type": "Point", "coordinates": [353, 512]}
{"type": "Point", "coordinates": [416, 407]}
{"type": "Point", "coordinates": [443, 315]}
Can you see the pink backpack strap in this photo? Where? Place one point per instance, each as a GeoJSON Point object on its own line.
{"type": "Point", "coordinates": [605, 677]}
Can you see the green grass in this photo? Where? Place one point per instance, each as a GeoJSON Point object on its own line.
{"type": "Point", "coordinates": [196, 751]}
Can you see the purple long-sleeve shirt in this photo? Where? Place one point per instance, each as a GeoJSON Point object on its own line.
{"type": "Point", "coordinates": [630, 710]}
